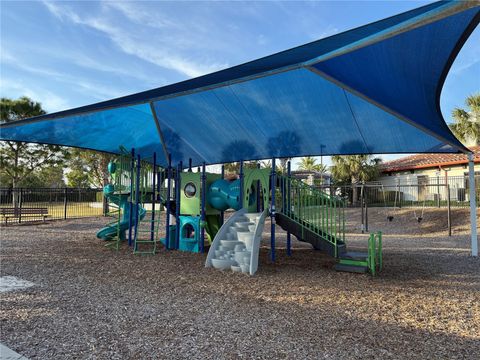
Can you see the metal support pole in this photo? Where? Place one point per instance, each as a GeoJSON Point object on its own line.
{"type": "Point", "coordinates": [152, 225]}
{"type": "Point", "coordinates": [130, 203]}
{"type": "Point", "coordinates": [449, 218]}
{"type": "Point", "coordinates": [190, 165]}
{"type": "Point", "coordinates": [222, 213]}
{"type": "Point", "coordinates": [137, 196]}
{"type": "Point", "coordinates": [177, 205]}
{"type": "Point", "coordinates": [203, 204]}
{"type": "Point", "coordinates": [259, 198]}
{"type": "Point", "coordinates": [473, 205]}
{"type": "Point", "coordinates": [167, 202]}
{"type": "Point", "coordinates": [289, 236]}
{"type": "Point", "coordinates": [241, 185]}
{"type": "Point", "coordinates": [272, 213]}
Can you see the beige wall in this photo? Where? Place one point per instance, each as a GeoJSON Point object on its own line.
{"type": "Point", "coordinates": [455, 176]}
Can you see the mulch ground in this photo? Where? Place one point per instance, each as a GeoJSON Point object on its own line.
{"type": "Point", "coordinates": [92, 302]}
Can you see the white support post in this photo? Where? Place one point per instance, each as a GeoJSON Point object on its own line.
{"type": "Point", "coordinates": [473, 205]}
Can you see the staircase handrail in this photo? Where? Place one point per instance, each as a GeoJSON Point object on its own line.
{"type": "Point", "coordinates": [329, 222]}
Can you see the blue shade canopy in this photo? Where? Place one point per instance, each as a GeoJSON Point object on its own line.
{"type": "Point", "coordinates": [371, 90]}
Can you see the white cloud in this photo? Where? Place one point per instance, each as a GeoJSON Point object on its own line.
{"type": "Point", "coordinates": [134, 12]}
{"type": "Point", "coordinates": [50, 102]}
{"type": "Point", "coordinates": [463, 65]}
{"type": "Point", "coordinates": [159, 51]}
{"type": "Point", "coordinates": [99, 91]}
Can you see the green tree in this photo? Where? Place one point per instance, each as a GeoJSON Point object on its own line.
{"type": "Point", "coordinates": [88, 168]}
{"type": "Point", "coordinates": [20, 160]}
{"type": "Point", "coordinates": [51, 177]}
{"type": "Point", "coordinates": [309, 163]}
{"type": "Point", "coordinates": [354, 169]}
{"type": "Point", "coordinates": [466, 125]}
{"type": "Point", "coordinates": [234, 167]}
{"type": "Point", "coordinates": [282, 165]}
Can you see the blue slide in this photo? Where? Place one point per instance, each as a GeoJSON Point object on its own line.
{"type": "Point", "coordinates": [110, 232]}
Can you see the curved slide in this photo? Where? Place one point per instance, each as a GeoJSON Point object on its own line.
{"type": "Point", "coordinates": [110, 231]}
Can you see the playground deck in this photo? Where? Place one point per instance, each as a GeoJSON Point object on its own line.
{"type": "Point", "coordinates": [90, 301]}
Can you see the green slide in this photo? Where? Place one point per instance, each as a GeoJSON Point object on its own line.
{"type": "Point", "coordinates": [109, 232]}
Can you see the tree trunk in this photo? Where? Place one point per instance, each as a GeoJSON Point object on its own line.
{"type": "Point", "coordinates": [354, 192]}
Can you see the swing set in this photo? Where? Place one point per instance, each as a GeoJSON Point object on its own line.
{"type": "Point", "coordinates": [392, 211]}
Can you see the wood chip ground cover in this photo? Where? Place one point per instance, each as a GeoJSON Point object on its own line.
{"type": "Point", "coordinates": [92, 302]}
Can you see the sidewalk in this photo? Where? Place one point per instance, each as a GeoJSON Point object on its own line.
{"type": "Point", "coordinates": [8, 354]}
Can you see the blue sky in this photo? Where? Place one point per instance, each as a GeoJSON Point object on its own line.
{"type": "Point", "coordinates": [67, 54]}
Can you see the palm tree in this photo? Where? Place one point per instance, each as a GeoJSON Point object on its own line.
{"type": "Point", "coordinates": [309, 163]}
{"type": "Point", "coordinates": [466, 124]}
{"type": "Point", "coordinates": [354, 169]}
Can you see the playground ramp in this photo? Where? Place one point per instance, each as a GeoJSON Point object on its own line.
{"type": "Point", "coordinates": [237, 244]}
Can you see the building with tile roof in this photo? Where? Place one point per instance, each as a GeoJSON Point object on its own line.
{"type": "Point", "coordinates": [425, 162]}
{"type": "Point", "coordinates": [425, 176]}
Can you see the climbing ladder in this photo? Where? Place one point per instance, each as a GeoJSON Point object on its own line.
{"type": "Point", "coordinates": [115, 212]}
{"type": "Point", "coordinates": [318, 218]}
{"type": "Point", "coordinates": [148, 189]}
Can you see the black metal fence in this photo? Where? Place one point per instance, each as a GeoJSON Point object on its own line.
{"type": "Point", "coordinates": [25, 204]}
{"type": "Point", "coordinates": [453, 191]}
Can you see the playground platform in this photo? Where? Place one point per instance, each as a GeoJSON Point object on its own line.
{"type": "Point", "coordinates": [91, 302]}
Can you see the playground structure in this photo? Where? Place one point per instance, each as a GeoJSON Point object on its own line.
{"type": "Point", "coordinates": [194, 205]}
{"type": "Point", "coordinates": [323, 98]}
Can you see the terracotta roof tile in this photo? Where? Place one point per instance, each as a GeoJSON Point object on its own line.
{"type": "Point", "coordinates": [428, 160]}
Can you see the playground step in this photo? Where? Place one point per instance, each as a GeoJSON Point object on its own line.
{"type": "Point", "coordinates": [235, 246]}
{"type": "Point", "coordinates": [353, 255]}
{"type": "Point", "coordinates": [351, 268]}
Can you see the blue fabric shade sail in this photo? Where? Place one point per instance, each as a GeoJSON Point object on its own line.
{"type": "Point", "coordinates": [371, 90]}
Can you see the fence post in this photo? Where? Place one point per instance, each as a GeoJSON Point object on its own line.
{"type": "Point", "coordinates": [438, 192]}
{"type": "Point", "coordinates": [105, 204]}
{"type": "Point", "coordinates": [449, 219]}
{"type": "Point", "coordinates": [65, 204]}
{"type": "Point", "coordinates": [20, 203]}
{"type": "Point", "coordinates": [289, 207]}
{"type": "Point", "coordinates": [362, 209]}
{"type": "Point", "coordinates": [400, 195]}
{"type": "Point", "coordinates": [366, 214]}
